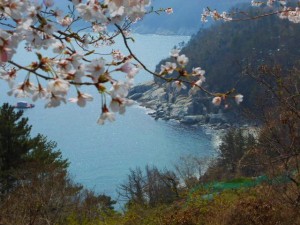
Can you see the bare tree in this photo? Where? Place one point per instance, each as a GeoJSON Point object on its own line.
{"type": "Point", "coordinates": [152, 188]}
{"type": "Point", "coordinates": [133, 189]}
{"type": "Point", "coordinates": [190, 169]}
{"type": "Point", "coordinates": [279, 138]}
{"type": "Point", "coordinates": [43, 197]}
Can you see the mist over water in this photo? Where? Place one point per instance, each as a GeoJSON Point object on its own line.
{"type": "Point", "coordinates": [101, 156]}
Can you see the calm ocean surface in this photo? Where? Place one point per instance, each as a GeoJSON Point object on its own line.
{"type": "Point", "coordinates": [101, 156]}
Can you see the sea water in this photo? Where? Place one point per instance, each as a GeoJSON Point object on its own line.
{"type": "Point", "coordinates": [101, 156]}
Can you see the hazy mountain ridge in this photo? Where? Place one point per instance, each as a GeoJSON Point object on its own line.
{"type": "Point", "coordinates": [186, 19]}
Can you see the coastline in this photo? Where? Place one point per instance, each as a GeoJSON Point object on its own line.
{"type": "Point", "coordinates": [166, 104]}
{"type": "Point", "coordinates": [163, 105]}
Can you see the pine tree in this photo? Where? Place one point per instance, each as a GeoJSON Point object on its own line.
{"type": "Point", "coordinates": [15, 143]}
{"type": "Point", "coordinates": [20, 152]}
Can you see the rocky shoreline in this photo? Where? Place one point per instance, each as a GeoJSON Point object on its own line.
{"type": "Point", "coordinates": [166, 105]}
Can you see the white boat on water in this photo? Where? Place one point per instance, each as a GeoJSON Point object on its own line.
{"type": "Point", "coordinates": [23, 105]}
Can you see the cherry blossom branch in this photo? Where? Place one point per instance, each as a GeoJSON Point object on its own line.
{"type": "Point", "coordinates": [30, 70]}
{"type": "Point", "coordinates": [261, 16]}
{"type": "Point", "coordinates": [290, 13]}
{"type": "Point", "coordinates": [41, 26]}
{"type": "Point", "coordinates": [153, 73]}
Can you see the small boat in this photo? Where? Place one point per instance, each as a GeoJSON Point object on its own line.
{"type": "Point", "coordinates": [23, 105]}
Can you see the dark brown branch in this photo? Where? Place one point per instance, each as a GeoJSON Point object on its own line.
{"type": "Point", "coordinates": [30, 70]}
{"type": "Point", "coordinates": [261, 16]}
{"type": "Point", "coordinates": [151, 72]}
{"type": "Point", "coordinates": [50, 78]}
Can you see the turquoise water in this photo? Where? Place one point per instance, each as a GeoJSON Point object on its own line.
{"type": "Point", "coordinates": [101, 156]}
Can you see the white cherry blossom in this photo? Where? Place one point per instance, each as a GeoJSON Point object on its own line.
{"type": "Point", "coordinates": [238, 98]}
{"type": "Point", "coordinates": [175, 52]}
{"type": "Point", "coordinates": [14, 9]}
{"type": "Point", "coordinates": [58, 86]}
{"type": "Point", "coordinates": [9, 76]}
{"type": "Point", "coordinates": [6, 46]}
{"type": "Point", "coordinates": [99, 28]}
{"type": "Point", "coordinates": [64, 65]}
{"type": "Point", "coordinates": [40, 93]}
{"type": "Point", "coordinates": [198, 71]}
{"type": "Point", "coordinates": [217, 101]}
{"type": "Point", "coordinates": [55, 101]}
{"type": "Point", "coordinates": [125, 68]}
{"type": "Point", "coordinates": [119, 89]}
{"type": "Point", "coordinates": [182, 60]}
{"type": "Point", "coordinates": [195, 87]}
{"type": "Point", "coordinates": [169, 68]}
{"type": "Point", "coordinates": [29, 87]}
{"type": "Point", "coordinates": [48, 3]}
{"type": "Point", "coordinates": [58, 47]}
{"type": "Point", "coordinates": [96, 68]}
{"type": "Point", "coordinates": [169, 10]}
{"type": "Point", "coordinates": [81, 99]}
{"type": "Point", "coordinates": [117, 55]}
{"type": "Point", "coordinates": [120, 104]}
{"type": "Point", "coordinates": [76, 75]}
{"type": "Point", "coordinates": [134, 71]}
{"type": "Point", "coordinates": [19, 91]}
{"type": "Point", "coordinates": [66, 21]}
{"type": "Point", "coordinates": [106, 115]}
{"type": "Point", "coordinates": [256, 3]}
{"type": "Point", "coordinates": [178, 85]}
{"type": "Point", "coordinates": [75, 59]}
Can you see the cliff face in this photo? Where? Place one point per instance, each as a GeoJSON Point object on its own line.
{"type": "Point", "coordinates": [167, 104]}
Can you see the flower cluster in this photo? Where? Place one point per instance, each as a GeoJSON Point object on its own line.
{"type": "Point", "coordinates": [284, 12]}
{"type": "Point", "coordinates": [111, 10]}
{"type": "Point", "coordinates": [207, 13]}
{"type": "Point", "coordinates": [269, 2]}
{"type": "Point", "coordinates": [218, 99]}
{"type": "Point", "coordinates": [179, 66]}
{"type": "Point", "coordinates": [196, 76]}
{"type": "Point", "coordinates": [42, 26]}
{"type": "Point", "coordinates": [291, 14]}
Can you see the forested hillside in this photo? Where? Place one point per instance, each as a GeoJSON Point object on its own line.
{"type": "Point", "coordinates": [227, 51]}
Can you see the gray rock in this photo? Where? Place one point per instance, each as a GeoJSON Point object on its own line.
{"type": "Point", "coordinates": [142, 88]}
{"type": "Point", "coordinates": [191, 110]}
{"type": "Point", "coordinates": [193, 119]}
{"type": "Point", "coordinates": [149, 104]}
{"type": "Point", "coordinates": [136, 96]}
{"type": "Point", "coordinates": [160, 113]}
{"type": "Point", "coordinates": [217, 119]}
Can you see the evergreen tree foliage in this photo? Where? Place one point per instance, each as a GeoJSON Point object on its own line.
{"type": "Point", "coordinates": [19, 151]}
{"type": "Point", "coordinates": [15, 143]}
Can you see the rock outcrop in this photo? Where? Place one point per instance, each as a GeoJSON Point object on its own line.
{"type": "Point", "coordinates": [167, 104]}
